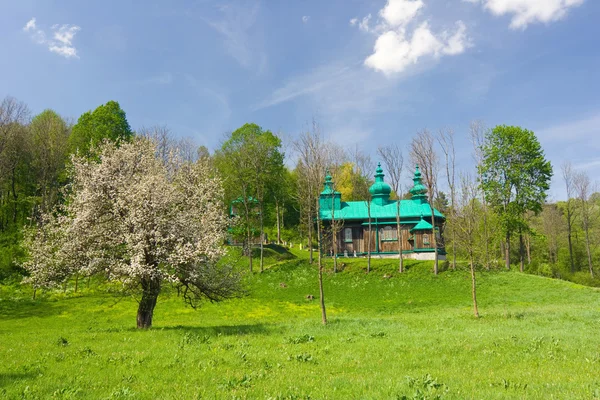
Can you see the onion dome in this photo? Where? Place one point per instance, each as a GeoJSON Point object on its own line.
{"type": "Point", "coordinates": [419, 190]}
{"type": "Point", "coordinates": [380, 191]}
{"type": "Point", "coordinates": [328, 189]}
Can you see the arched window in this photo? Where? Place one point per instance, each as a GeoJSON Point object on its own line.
{"type": "Point", "coordinates": [426, 239]}
{"type": "Point", "coordinates": [347, 234]}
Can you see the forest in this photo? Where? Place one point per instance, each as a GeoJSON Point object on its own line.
{"type": "Point", "coordinates": [490, 223]}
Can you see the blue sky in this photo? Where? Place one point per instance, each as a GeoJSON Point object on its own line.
{"type": "Point", "coordinates": [370, 72]}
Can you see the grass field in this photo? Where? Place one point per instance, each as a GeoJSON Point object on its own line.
{"type": "Point", "coordinates": [409, 336]}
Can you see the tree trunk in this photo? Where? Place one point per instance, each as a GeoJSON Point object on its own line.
{"type": "Point", "coordinates": [435, 247]}
{"type": "Point", "coordinates": [507, 251]}
{"type": "Point", "coordinates": [320, 265]}
{"type": "Point", "coordinates": [569, 235]}
{"type": "Point", "coordinates": [399, 234]}
{"type": "Point", "coordinates": [150, 291]}
{"type": "Point", "coordinates": [521, 252]}
{"type": "Point", "coordinates": [76, 282]}
{"type": "Point", "coordinates": [473, 287]}
{"type": "Point", "coordinates": [310, 231]}
{"type": "Point", "coordinates": [278, 222]}
{"type": "Point", "coordinates": [453, 248]}
{"type": "Point", "coordinates": [262, 238]}
{"type": "Point", "coordinates": [370, 240]}
{"type": "Point", "coordinates": [333, 235]}
{"type": "Point", "coordinates": [15, 195]}
{"type": "Point", "coordinates": [485, 236]}
{"type": "Point", "coordinates": [528, 248]}
{"type": "Point", "coordinates": [589, 253]}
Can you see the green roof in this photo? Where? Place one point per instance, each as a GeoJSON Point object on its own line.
{"type": "Point", "coordinates": [357, 210]}
{"type": "Point", "coordinates": [422, 226]}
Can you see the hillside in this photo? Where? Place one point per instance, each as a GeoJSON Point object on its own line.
{"type": "Point", "coordinates": [410, 335]}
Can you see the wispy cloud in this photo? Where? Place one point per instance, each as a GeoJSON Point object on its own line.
{"type": "Point", "coordinates": [397, 47]}
{"type": "Point", "coordinates": [525, 12]}
{"type": "Point", "coordinates": [305, 18]}
{"type": "Point", "coordinates": [61, 41]}
{"type": "Point", "coordinates": [586, 127]}
{"type": "Point", "coordinates": [234, 25]}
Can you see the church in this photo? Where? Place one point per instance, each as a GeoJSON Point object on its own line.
{"type": "Point", "coordinates": [350, 222]}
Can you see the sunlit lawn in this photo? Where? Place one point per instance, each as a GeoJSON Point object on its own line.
{"type": "Point", "coordinates": [409, 335]}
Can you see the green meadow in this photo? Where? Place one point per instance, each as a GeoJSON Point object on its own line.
{"type": "Point", "coordinates": [390, 336]}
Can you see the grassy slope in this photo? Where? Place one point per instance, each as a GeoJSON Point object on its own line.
{"type": "Point", "coordinates": [411, 335]}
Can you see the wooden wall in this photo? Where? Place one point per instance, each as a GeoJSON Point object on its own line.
{"type": "Point", "coordinates": [360, 240]}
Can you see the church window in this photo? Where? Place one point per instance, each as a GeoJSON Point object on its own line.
{"type": "Point", "coordinates": [426, 239]}
{"type": "Point", "coordinates": [348, 235]}
{"type": "Point", "coordinates": [388, 233]}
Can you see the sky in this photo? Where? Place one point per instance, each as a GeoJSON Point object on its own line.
{"type": "Point", "coordinates": [370, 72]}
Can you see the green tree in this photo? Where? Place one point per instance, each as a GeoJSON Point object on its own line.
{"type": "Point", "coordinates": [515, 177]}
{"type": "Point", "coordinates": [251, 161]}
{"type": "Point", "coordinates": [49, 137]}
{"type": "Point", "coordinates": [108, 121]}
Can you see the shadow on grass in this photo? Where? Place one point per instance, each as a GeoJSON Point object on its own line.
{"type": "Point", "coordinates": [226, 330]}
{"type": "Point", "coordinates": [17, 309]}
{"type": "Point", "coordinates": [11, 377]}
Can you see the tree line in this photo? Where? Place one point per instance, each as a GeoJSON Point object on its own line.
{"type": "Point", "coordinates": [496, 211]}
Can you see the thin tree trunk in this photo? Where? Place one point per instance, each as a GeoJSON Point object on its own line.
{"type": "Point", "coordinates": [589, 253]}
{"type": "Point", "coordinates": [521, 252]}
{"type": "Point", "coordinates": [310, 231]}
{"type": "Point", "coordinates": [399, 234]}
{"type": "Point", "coordinates": [278, 222]}
{"type": "Point", "coordinates": [528, 248]}
{"type": "Point", "coordinates": [150, 291]}
{"type": "Point", "coordinates": [76, 282]}
{"type": "Point", "coordinates": [569, 235]}
{"type": "Point", "coordinates": [370, 240]}
{"type": "Point", "coordinates": [262, 238]}
{"type": "Point", "coordinates": [15, 195]}
{"type": "Point", "coordinates": [248, 234]}
{"type": "Point", "coordinates": [435, 247]}
{"type": "Point", "coordinates": [334, 234]}
{"type": "Point", "coordinates": [320, 265]}
{"type": "Point", "coordinates": [473, 287]}
{"type": "Point", "coordinates": [507, 251]}
{"type": "Point", "coordinates": [453, 248]}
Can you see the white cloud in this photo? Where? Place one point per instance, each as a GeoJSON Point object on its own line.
{"type": "Point", "coordinates": [397, 47]}
{"type": "Point", "coordinates": [30, 25]}
{"type": "Point", "coordinates": [305, 18]}
{"type": "Point", "coordinates": [525, 12]}
{"type": "Point", "coordinates": [400, 12]}
{"type": "Point", "coordinates": [62, 38]}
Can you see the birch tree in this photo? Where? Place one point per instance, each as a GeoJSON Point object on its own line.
{"type": "Point", "coordinates": [394, 163]}
{"type": "Point", "coordinates": [568, 176]}
{"type": "Point", "coordinates": [467, 220]}
{"type": "Point", "coordinates": [362, 182]}
{"type": "Point", "coordinates": [127, 219]}
{"type": "Point", "coordinates": [446, 140]}
{"type": "Point", "coordinates": [583, 189]}
{"type": "Point", "coordinates": [423, 154]}
{"type": "Point", "coordinates": [311, 150]}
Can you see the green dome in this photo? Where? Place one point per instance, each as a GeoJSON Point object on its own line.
{"type": "Point", "coordinates": [380, 188]}
{"type": "Point", "coordinates": [418, 190]}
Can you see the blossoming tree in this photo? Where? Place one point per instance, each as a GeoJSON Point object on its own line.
{"type": "Point", "coordinates": [139, 221]}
